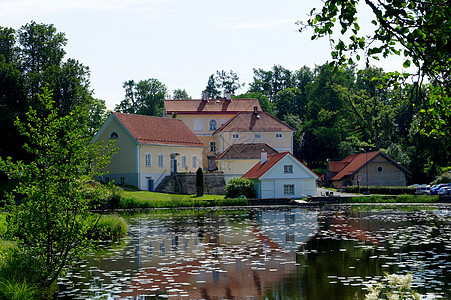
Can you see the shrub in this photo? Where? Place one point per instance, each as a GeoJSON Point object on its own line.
{"type": "Point", "coordinates": [110, 227]}
{"type": "Point", "coordinates": [199, 182]}
{"type": "Point", "coordinates": [386, 190]}
{"type": "Point", "coordinates": [237, 187]}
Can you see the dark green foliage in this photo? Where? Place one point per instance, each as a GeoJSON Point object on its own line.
{"type": "Point", "coordinates": [384, 190]}
{"type": "Point", "coordinates": [237, 187]}
{"type": "Point", "coordinates": [199, 182]}
{"type": "Point", "coordinates": [221, 83]}
{"type": "Point", "coordinates": [394, 199]}
{"type": "Point", "coordinates": [109, 227]}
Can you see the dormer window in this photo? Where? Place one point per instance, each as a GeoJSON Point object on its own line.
{"type": "Point", "coordinates": [114, 135]}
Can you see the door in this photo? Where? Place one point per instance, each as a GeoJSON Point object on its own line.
{"type": "Point", "coordinates": [173, 165]}
{"type": "Point", "coordinates": [150, 185]}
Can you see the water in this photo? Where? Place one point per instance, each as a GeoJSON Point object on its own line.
{"type": "Point", "coordinates": [269, 253]}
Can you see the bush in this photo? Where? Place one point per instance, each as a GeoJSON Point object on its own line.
{"type": "Point", "coordinates": [237, 187]}
{"type": "Point", "coordinates": [385, 190]}
{"type": "Point", "coordinates": [110, 227]}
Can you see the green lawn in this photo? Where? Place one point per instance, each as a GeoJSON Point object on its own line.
{"type": "Point", "coordinates": [144, 199]}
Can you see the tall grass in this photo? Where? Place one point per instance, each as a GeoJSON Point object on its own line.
{"type": "Point", "coordinates": [110, 227]}
{"type": "Point", "coordinates": [394, 199]}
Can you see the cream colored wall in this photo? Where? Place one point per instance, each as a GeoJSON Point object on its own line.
{"type": "Point", "coordinates": [166, 150]}
{"type": "Point", "coordinates": [189, 120]}
{"type": "Point", "coordinates": [235, 167]}
{"type": "Point", "coordinates": [225, 140]}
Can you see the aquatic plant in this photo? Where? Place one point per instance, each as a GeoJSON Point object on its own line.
{"type": "Point", "coordinates": [396, 287]}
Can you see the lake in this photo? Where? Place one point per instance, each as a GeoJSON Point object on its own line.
{"type": "Point", "coordinates": [332, 252]}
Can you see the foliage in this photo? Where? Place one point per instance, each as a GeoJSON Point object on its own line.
{"type": "Point", "coordinates": [144, 98]}
{"type": "Point", "coordinates": [144, 199]}
{"type": "Point", "coordinates": [48, 213]}
{"type": "Point", "coordinates": [394, 287]}
{"type": "Point", "coordinates": [180, 94]}
{"type": "Point", "coordinates": [386, 190]}
{"type": "Point", "coordinates": [221, 83]}
{"type": "Point", "coordinates": [416, 30]}
{"type": "Point", "coordinates": [109, 227]}
{"type": "Point", "coordinates": [199, 182]}
{"type": "Point", "coordinates": [237, 187]}
{"type": "Point", "coordinates": [31, 58]}
{"type": "Point", "coordinates": [395, 199]}
{"type": "Point", "coordinates": [445, 177]}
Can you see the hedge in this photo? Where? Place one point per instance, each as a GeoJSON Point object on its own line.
{"type": "Point", "coordinates": [384, 190]}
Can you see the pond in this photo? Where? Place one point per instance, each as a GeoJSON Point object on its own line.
{"type": "Point", "coordinates": [269, 253]}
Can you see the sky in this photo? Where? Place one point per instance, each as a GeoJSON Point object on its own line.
{"type": "Point", "coordinates": [179, 42]}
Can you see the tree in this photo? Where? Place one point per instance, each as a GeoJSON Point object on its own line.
{"type": "Point", "coordinates": [199, 182]}
{"type": "Point", "coordinates": [265, 104]}
{"type": "Point", "coordinates": [180, 94]}
{"type": "Point", "coordinates": [237, 187]}
{"type": "Point", "coordinates": [48, 211]}
{"type": "Point", "coordinates": [145, 97]}
{"type": "Point", "coordinates": [271, 82]}
{"type": "Point", "coordinates": [418, 30]}
{"type": "Point", "coordinates": [221, 83]}
{"type": "Point", "coordinates": [31, 58]}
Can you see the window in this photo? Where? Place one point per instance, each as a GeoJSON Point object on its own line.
{"type": "Point", "coordinates": [161, 160]}
{"type": "Point", "coordinates": [235, 136]}
{"type": "Point", "coordinates": [279, 135]}
{"type": "Point", "coordinates": [194, 161]}
{"type": "Point", "coordinates": [212, 146]}
{"type": "Point", "coordinates": [184, 159]}
{"type": "Point", "coordinates": [288, 169]}
{"type": "Point", "coordinates": [257, 135]}
{"type": "Point", "coordinates": [288, 189]}
{"type": "Point", "coordinates": [114, 135]}
{"type": "Point", "coordinates": [213, 126]}
{"type": "Point", "coordinates": [122, 180]}
{"type": "Point", "coordinates": [379, 169]}
{"type": "Point", "coordinates": [198, 125]}
{"type": "Point", "coordinates": [148, 159]}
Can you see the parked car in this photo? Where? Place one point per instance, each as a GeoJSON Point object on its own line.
{"type": "Point", "coordinates": [423, 190]}
{"type": "Point", "coordinates": [437, 187]}
{"type": "Point", "coordinates": [446, 190]}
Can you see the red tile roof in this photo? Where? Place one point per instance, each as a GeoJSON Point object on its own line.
{"type": "Point", "coordinates": [353, 163]}
{"type": "Point", "coordinates": [251, 122]}
{"type": "Point", "coordinates": [156, 130]}
{"type": "Point", "coordinates": [337, 166]}
{"type": "Point", "coordinates": [246, 151]}
{"type": "Point", "coordinates": [259, 169]}
{"type": "Point", "coordinates": [212, 106]}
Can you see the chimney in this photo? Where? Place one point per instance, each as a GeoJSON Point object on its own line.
{"type": "Point", "coordinates": [205, 95]}
{"type": "Point", "coordinates": [228, 96]}
{"type": "Point", "coordinates": [264, 156]}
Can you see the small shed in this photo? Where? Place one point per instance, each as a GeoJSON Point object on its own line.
{"type": "Point", "coordinates": [282, 175]}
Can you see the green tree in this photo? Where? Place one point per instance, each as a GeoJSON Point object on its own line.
{"type": "Point", "coordinates": [221, 83]}
{"type": "Point", "coordinates": [145, 97]}
{"type": "Point", "coordinates": [271, 82]}
{"type": "Point", "coordinates": [199, 182]}
{"type": "Point", "coordinates": [237, 187]}
{"type": "Point", "coordinates": [265, 104]}
{"type": "Point", "coordinates": [417, 30]}
{"type": "Point", "coordinates": [48, 211]}
{"type": "Point", "coordinates": [180, 94]}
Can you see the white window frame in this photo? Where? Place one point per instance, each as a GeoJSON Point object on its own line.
{"type": "Point", "coordinates": [257, 135]}
{"type": "Point", "coordinates": [148, 159]}
{"type": "Point", "coordinates": [184, 161]}
{"type": "Point", "coordinates": [288, 169]}
{"type": "Point", "coordinates": [114, 135]}
{"type": "Point", "coordinates": [235, 136]}
{"type": "Point", "coordinates": [198, 125]}
{"type": "Point", "coordinates": [161, 160]}
{"type": "Point", "coordinates": [194, 161]}
{"type": "Point", "coordinates": [288, 189]}
{"type": "Point", "coordinates": [279, 135]}
{"type": "Point", "coordinates": [212, 128]}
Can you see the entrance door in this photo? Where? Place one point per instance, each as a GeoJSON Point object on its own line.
{"type": "Point", "coordinates": [173, 165]}
{"type": "Point", "coordinates": [150, 185]}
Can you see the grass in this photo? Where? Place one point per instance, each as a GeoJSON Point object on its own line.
{"type": "Point", "coordinates": [144, 199]}
{"type": "Point", "coordinates": [394, 199]}
{"type": "Point", "coordinates": [110, 227]}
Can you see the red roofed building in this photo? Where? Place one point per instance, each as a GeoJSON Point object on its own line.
{"type": "Point", "coordinates": [149, 149]}
{"type": "Point", "coordinates": [282, 175]}
{"type": "Point", "coordinates": [373, 168]}
{"type": "Point", "coordinates": [204, 116]}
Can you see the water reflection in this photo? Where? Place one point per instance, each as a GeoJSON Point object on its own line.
{"type": "Point", "coordinates": [278, 253]}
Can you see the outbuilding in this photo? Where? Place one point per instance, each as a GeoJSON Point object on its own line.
{"type": "Point", "coordinates": [282, 175]}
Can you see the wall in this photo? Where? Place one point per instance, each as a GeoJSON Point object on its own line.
{"type": "Point", "coordinates": [183, 183]}
{"type": "Point", "coordinates": [235, 167]}
{"type": "Point", "coordinates": [158, 173]}
{"type": "Point", "coordinates": [225, 140]}
{"type": "Point", "coordinates": [390, 175]}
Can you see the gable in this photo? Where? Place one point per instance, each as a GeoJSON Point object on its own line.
{"type": "Point", "coordinates": [299, 170]}
{"type": "Point", "coordinates": [254, 122]}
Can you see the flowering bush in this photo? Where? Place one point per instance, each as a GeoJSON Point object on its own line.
{"type": "Point", "coordinates": [396, 287]}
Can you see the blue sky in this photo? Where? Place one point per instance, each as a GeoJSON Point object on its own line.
{"type": "Point", "coordinates": [179, 42]}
